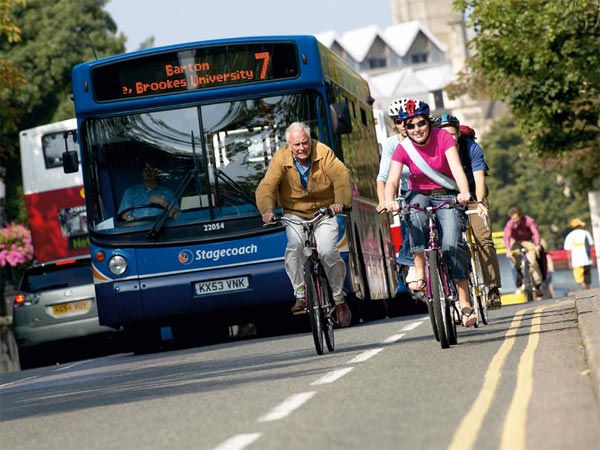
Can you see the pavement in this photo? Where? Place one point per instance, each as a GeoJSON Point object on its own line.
{"type": "Point", "coordinates": [587, 305]}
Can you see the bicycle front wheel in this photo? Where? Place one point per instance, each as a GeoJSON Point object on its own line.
{"type": "Point", "coordinates": [528, 287]}
{"type": "Point", "coordinates": [474, 297]}
{"type": "Point", "coordinates": [482, 307]}
{"type": "Point", "coordinates": [327, 310]}
{"type": "Point", "coordinates": [481, 290]}
{"type": "Point", "coordinates": [437, 297]}
{"type": "Point", "coordinates": [312, 303]}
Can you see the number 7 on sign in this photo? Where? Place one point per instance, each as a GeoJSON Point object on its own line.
{"type": "Point", "coordinates": [266, 57]}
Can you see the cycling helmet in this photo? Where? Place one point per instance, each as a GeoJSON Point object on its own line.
{"type": "Point", "coordinates": [395, 107]}
{"type": "Point", "coordinates": [411, 108]}
{"type": "Point", "coordinates": [446, 120]}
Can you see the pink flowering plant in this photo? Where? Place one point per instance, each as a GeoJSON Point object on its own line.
{"type": "Point", "coordinates": [15, 245]}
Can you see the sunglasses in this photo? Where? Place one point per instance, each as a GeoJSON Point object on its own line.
{"type": "Point", "coordinates": [412, 126]}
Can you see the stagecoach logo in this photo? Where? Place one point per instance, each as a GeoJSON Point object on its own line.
{"type": "Point", "coordinates": [186, 257]}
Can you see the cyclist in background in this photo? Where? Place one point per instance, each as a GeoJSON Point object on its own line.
{"type": "Point", "coordinates": [522, 231]}
{"type": "Point", "coordinates": [295, 166]}
{"type": "Point", "coordinates": [475, 167]}
{"type": "Point", "coordinates": [438, 149]}
{"type": "Point", "coordinates": [404, 259]}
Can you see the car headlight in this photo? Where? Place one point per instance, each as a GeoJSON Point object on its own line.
{"type": "Point", "coordinates": [118, 265]}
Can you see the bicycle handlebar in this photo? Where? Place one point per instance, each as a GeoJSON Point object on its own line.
{"type": "Point", "coordinates": [452, 203]}
{"type": "Point", "coordinates": [484, 217]}
{"type": "Point", "coordinates": [317, 216]}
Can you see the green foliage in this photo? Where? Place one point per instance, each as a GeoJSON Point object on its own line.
{"type": "Point", "coordinates": [55, 36]}
{"type": "Point", "coordinates": [541, 58]}
{"type": "Point", "coordinates": [538, 185]}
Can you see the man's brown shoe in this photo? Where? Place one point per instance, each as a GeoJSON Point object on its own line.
{"type": "Point", "coordinates": [299, 307]}
{"type": "Point", "coordinates": [344, 316]}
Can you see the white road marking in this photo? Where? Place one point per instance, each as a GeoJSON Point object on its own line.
{"type": "Point", "coordinates": [365, 355]}
{"type": "Point", "coordinates": [411, 326]}
{"type": "Point", "coordinates": [393, 338]}
{"type": "Point", "coordinates": [238, 442]}
{"type": "Point", "coordinates": [332, 376]}
{"type": "Point", "coordinates": [287, 407]}
{"type": "Point", "coordinates": [72, 365]}
{"type": "Point", "coordinates": [18, 381]}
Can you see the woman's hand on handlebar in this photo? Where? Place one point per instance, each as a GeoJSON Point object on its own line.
{"type": "Point", "coordinates": [393, 206]}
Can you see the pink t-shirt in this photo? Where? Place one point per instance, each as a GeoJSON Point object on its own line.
{"type": "Point", "coordinates": [434, 154]}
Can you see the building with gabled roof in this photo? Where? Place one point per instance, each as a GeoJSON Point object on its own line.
{"type": "Point", "coordinates": [417, 57]}
{"type": "Point", "coordinates": [403, 60]}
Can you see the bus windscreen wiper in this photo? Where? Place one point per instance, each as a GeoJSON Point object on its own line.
{"type": "Point", "coordinates": [236, 187]}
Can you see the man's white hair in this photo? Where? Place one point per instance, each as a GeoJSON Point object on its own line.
{"type": "Point", "coordinates": [297, 126]}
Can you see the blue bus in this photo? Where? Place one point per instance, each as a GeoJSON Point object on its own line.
{"type": "Point", "coordinates": [209, 116]}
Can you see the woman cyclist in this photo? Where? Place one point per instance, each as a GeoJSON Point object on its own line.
{"type": "Point", "coordinates": [439, 150]}
{"type": "Point", "coordinates": [475, 167]}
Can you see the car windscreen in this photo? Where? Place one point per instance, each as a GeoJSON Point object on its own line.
{"type": "Point", "coordinates": [56, 277]}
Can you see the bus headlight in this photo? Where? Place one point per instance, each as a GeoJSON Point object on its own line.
{"type": "Point", "coordinates": [117, 265]}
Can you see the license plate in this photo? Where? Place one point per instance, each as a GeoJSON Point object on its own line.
{"type": "Point", "coordinates": [81, 306]}
{"type": "Point", "coordinates": [224, 285]}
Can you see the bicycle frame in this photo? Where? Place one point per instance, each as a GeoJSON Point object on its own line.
{"type": "Point", "coordinates": [317, 292]}
{"type": "Point", "coordinates": [480, 294]}
{"type": "Point", "coordinates": [528, 284]}
{"type": "Point", "coordinates": [444, 332]}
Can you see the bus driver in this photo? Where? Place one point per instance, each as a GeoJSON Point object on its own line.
{"type": "Point", "coordinates": [147, 193]}
{"type": "Point", "coordinates": [305, 175]}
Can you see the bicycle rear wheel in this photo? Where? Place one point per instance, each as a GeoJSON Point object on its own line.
{"type": "Point", "coordinates": [429, 303]}
{"type": "Point", "coordinates": [450, 323]}
{"type": "Point", "coordinates": [437, 297]}
{"type": "Point", "coordinates": [312, 304]}
{"type": "Point", "coordinates": [328, 308]}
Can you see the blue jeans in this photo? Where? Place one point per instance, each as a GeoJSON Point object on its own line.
{"type": "Point", "coordinates": [450, 222]}
{"type": "Point", "coordinates": [405, 257]}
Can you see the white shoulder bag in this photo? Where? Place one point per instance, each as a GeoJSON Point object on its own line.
{"type": "Point", "coordinates": [434, 175]}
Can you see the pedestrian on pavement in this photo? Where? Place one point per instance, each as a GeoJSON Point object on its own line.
{"type": "Point", "coordinates": [578, 245]}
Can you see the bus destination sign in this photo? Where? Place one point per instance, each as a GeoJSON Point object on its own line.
{"type": "Point", "coordinates": [193, 69]}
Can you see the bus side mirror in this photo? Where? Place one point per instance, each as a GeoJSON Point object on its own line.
{"type": "Point", "coordinates": [70, 161]}
{"type": "Point", "coordinates": [340, 118]}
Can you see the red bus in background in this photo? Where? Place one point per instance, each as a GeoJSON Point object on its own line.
{"type": "Point", "coordinates": [54, 200]}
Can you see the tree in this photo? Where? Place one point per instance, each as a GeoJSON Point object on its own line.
{"type": "Point", "coordinates": [55, 36]}
{"type": "Point", "coordinates": [536, 184]}
{"type": "Point", "coordinates": [541, 58]}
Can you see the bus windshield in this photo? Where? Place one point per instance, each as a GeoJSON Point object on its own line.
{"type": "Point", "coordinates": [207, 161]}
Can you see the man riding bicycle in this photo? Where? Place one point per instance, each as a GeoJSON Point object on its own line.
{"type": "Point", "coordinates": [522, 231]}
{"type": "Point", "coordinates": [303, 176]}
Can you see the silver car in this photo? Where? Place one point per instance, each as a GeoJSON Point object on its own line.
{"type": "Point", "coordinates": [55, 303]}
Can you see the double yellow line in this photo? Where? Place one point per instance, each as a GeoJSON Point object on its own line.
{"type": "Point", "coordinates": [514, 429]}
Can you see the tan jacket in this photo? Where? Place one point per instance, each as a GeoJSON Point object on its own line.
{"type": "Point", "coordinates": [328, 182]}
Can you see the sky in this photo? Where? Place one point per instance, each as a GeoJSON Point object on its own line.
{"type": "Point", "coordinates": [178, 21]}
